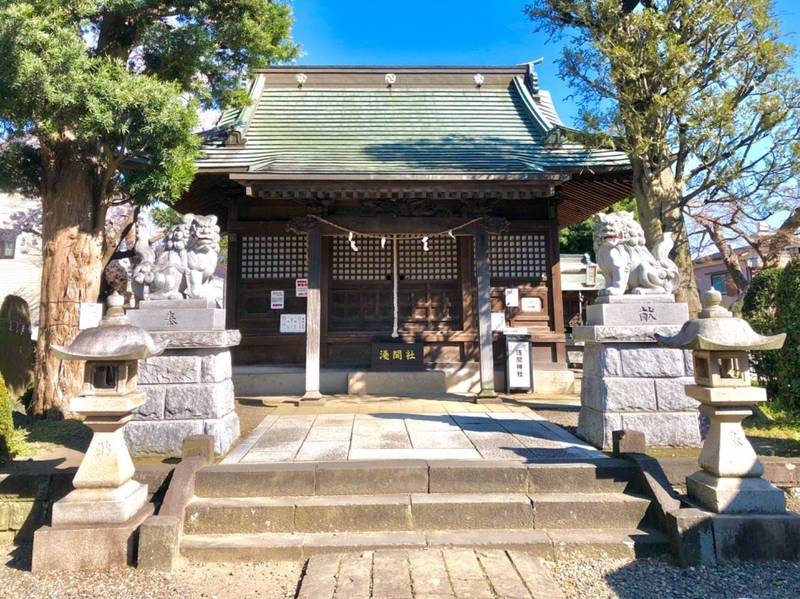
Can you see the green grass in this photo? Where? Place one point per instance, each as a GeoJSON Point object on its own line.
{"type": "Point", "coordinates": [774, 430]}
{"type": "Point", "coordinates": [40, 436]}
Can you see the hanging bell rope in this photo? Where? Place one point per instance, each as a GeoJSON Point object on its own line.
{"type": "Point", "coordinates": [395, 277]}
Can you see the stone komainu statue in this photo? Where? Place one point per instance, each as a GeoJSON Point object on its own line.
{"type": "Point", "coordinates": [626, 263]}
{"type": "Point", "coordinates": [183, 266]}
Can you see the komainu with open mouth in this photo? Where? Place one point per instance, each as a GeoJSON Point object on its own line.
{"type": "Point", "coordinates": [626, 263]}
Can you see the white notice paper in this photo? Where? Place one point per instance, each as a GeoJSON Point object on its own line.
{"type": "Point", "coordinates": [276, 299]}
{"type": "Point", "coordinates": [90, 315]}
{"type": "Point", "coordinates": [301, 287]}
{"type": "Point", "coordinates": [531, 304]}
{"type": "Point", "coordinates": [293, 323]}
{"type": "Point", "coordinates": [498, 321]}
{"type": "Point", "coordinates": [512, 297]}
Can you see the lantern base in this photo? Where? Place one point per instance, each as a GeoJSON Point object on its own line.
{"type": "Point", "coordinates": [87, 547]}
{"type": "Point", "coordinates": [735, 495]}
{"type": "Point", "coordinates": [96, 506]}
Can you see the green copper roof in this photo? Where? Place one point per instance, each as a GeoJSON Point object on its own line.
{"type": "Point", "coordinates": [406, 130]}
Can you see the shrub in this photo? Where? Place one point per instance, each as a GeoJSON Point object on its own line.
{"type": "Point", "coordinates": [16, 355]}
{"type": "Point", "coordinates": [8, 436]}
{"type": "Point", "coordinates": [787, 300]}
{"type": "Point", "coordinates": [759, 309]}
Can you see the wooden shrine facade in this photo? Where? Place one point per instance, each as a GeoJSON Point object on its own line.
{"type": "Point", "coordinates": [437, 228]}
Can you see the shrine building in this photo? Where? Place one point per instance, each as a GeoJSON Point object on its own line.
{"type": "Point", "coordinates": [377, 210]}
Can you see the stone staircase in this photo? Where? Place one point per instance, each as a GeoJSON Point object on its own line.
{"type": "Point", "coordinates": [256, 512]}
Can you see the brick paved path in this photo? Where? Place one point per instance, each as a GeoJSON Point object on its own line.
{"type": "Point", "coordinates": [428, 574]}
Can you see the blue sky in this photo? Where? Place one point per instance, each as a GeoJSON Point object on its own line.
{"type": "Point", "coordinates": [441, 32]}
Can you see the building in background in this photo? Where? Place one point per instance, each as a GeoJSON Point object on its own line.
{"type": "Point", "coordinates": [710, 271]}
{"type": "Point", "coordinates": [21, 251]}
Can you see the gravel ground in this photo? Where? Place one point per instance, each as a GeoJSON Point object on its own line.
{"type": "Point", "coordinates": [579, 579]}
{"type": "Point", "coordinates": [268, 580]}
{"type": "Point", "coordinates": [601, 579]}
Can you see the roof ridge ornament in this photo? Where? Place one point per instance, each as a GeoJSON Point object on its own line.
{"type": "Point", "coordinates": [301, 78]}
{"type": "Point", "coordinates": [478, 79]}
{"type": "Point", "coordinates": [390, 79]}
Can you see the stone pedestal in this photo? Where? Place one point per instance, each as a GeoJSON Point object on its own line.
{"type": "Point", "coordinates": [189, 392]}
{"type": "Point", "coordinates": [178, 315]}
{"type": "Point", "coordinates": [629, 382]}
{"type": "Point", "coordinates": [729, 481]}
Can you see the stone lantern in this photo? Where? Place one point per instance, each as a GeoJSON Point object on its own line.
{"type": "Point", "coordinates": [105, 491]}
{"type": "Point", "coordinates": [730, 480]}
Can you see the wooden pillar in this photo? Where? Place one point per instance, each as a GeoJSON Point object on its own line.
{"type": "Point", "coordinates": [557, 297]}
{"type": "Point", "coordinates": [487, 393]}
{"type": "Point", "coordinates": [313, 316]}
{"type": "Point", "coordinates": [233, 271]}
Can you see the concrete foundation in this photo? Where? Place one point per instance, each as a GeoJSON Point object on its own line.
{"type": "Point", "coordinates": [459, 379]}
{"type": "Point", "coordinates": [735, 495]}
{"type": "Point", "coordinates": [189, 392]}
{"type": "Point", "coordinates": [629, 382]}
{"type": "Point", "coordinates": [87, 547]}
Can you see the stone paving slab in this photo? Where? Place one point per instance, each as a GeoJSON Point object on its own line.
{"type": "Point", "coordinates": [428, 573]}
{"type": "Point", "coordinates": [502, 434]}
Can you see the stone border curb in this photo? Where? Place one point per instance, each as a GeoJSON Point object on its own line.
{"type": "Point", "coordinates": [160, 535]}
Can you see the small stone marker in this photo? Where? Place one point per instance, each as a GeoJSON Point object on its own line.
{"type": "Point", "coordinates": [627, 441]}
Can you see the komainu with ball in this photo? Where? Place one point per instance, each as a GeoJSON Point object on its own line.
{"type": "Point", "coordinates": [626, 263]}
{"type": "Point", "coordinates": [183, 266]}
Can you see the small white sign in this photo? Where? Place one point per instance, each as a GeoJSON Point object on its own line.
{"type": "Point", "coordinates": [301, 287]}
{"type": "Point", "coordinates": [531, 304]}
{"type": "Point", "coordinates": [293, 323]}
{"type": "Point", "coordinates": [276, 299]}
{"type": "Point", "coordinates": [512, 297]}
{"type": "Point", "coordinates": [519, 365]}
{"type": "Point", "coordinates": [498, 321]}
{"type": "Point", "coordinates": [90, 316]}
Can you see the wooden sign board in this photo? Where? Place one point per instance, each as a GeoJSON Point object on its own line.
{"type": "Point", "coordinates": [397, 356]}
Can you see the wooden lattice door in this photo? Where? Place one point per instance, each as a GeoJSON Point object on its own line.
{"type": "Point", "coordinates": [361, 296]}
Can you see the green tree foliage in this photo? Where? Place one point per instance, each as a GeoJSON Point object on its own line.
{"type": "Point", "coordinates": [759, 309]}
{"type": "Point", "coordinates": [700, 95]}
{"type": "Point", "coordinates": [577, 239]}
{"type": "Point", "coordinates": [787, 299]}
{"type": "Point", "coordinates": [98, 105]}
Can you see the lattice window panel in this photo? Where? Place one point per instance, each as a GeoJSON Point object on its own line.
{"type": "Point", "coordinates": [518, 256]}
{"type": "Point", "coordinates": [274, 257]}
{"type": "Point", "coordinates": [369, 263]}
{"type": "Point", "coordinates": [439, 263]}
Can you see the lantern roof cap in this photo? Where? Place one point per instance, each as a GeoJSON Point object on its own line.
{"type": "Point", "coordinates": [114, 339]}
{"type": "Point", "coordinates": [717, 329]}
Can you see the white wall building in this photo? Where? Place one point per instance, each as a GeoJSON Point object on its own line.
{"type": "Point", "coordinates": [20, 251]}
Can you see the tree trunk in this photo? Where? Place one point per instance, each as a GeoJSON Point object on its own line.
{"type": "Point", "coordinates": [729, 257]}
{"type": "Point", "coordinates": [782, 238]}
{"type": "Point", "coordinates": [658, 203]}
{"type": "Point", "coordinates": [72, 251]}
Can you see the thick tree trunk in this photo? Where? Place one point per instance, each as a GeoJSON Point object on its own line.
{"type": "Point", "coordinates": [658, 205]}
{"type": "Point", "coordinates": [72, 252]}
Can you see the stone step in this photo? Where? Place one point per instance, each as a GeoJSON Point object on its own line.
{"type": "Point", "coordinates": [384, 477]}
{"type": "Point", "coordinates": [598, 510]}
{"type": "Point", "coordinates": [549, 544]}
{"type": "Point", "coordinates": [423, 511]}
